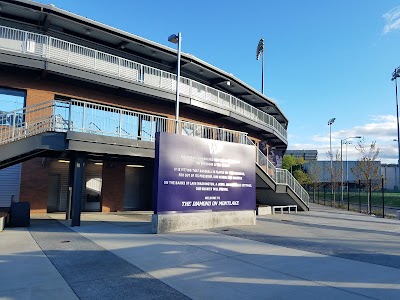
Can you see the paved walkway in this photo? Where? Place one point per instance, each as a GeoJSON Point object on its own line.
{"type": "Point", "coordinates": [324, 253]}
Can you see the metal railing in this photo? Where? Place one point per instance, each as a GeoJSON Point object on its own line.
{"type": "Point", "coordinates": [72, 54]}
{"type": "Point", "coordinates": [279, 176]}
{"type": "Point", "coordinates": [81, 116]}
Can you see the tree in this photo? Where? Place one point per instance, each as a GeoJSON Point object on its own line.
{"type": "Point", "coordinates": [367, 168]}
{"type": "Point", "coordinates": [288, 161]}
{"type": "Point", "coordinates": [335, 173]}
{"type": "Point", "coordinates": [314, 174]}
{"type": "Point", "coordinates": [301, 177]}
{"type": "Point", "coordinates": [294, 166]}
{"type": "Point", "coordinates": [292, 163]}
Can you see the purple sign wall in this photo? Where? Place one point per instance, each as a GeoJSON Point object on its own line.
{"type": "Point", "coordinates": [193, 174]}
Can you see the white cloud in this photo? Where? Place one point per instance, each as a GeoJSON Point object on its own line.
{"type": "Point", "coordinates": [392, 20]}
{"type": "Point", "coordinates": [381, 128]}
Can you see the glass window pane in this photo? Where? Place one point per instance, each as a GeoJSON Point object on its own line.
{"type": "Point", "coordinates": [11, 99]}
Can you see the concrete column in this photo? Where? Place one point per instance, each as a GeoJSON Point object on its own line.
{"type": "Point", "coordinates": [78, 178]}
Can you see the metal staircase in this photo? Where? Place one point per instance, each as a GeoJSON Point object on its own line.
{"type": "Point", "coordinates": [46, 128]}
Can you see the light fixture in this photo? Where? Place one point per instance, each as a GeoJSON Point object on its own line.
{"type": "Point", "coordinates": [228, 83]}
{"type": "Point", "coordinates": [260, 52]}
{"type": "Point", "coordinates": [63, 161]}
{"type": "Point", "coordinates": [173, 38]}
{"type": "Point", "coordinates": [135, 166]}
{"type": "Point", "coordinates": [330, 122]}
{"type": "Point", "coordinates": [98, 163]}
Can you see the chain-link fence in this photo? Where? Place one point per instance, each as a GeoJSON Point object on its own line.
{"type": "Point", "coordinates": [368, 197]}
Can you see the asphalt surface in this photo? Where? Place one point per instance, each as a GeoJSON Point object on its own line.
{"type": "Point", "coordinates": [322, 254]}
{"type": "Point", "coordinates": [93, 272]}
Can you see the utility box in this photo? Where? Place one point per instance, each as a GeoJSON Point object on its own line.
{"type": "Point", "coordinates": [20, 214]}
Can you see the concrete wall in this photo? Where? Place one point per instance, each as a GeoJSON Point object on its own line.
{"type": "Point", "coordinates": [163, 223]}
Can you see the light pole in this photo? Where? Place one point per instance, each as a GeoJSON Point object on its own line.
{"type": "Point", "coordinates": [341, 159]}
{"type": "Point", "coordinates": [347, 164]}
{"type": "Point", "coordinates": [330, 122]}
{"type": "Point", "coordinates": [260, 51]}
{"type": "Point", "coordinates": [395, 75]}
{"type": "Point", "coordinates": [395, 173]}
{"type": "Point", "coordinates": [177, 39]}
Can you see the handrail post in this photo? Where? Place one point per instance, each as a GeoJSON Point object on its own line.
{"type": "Point", "coordinates": [119, 66]}
{"type": "Point", "coordinates": [120, 123]}
{"type": "Point", "coordinates": [48, 51]}
{"type": "Point", "coordinates": [84, 117]}
{"type": "Point", "coordinates": [24, 45]}
{"type": "Point", "coordinates": [69, 51]}
{"type": "Point", "coordinates": [191, 88]}
{"type": "Point", "coordinates": [13, 126]}
{"type": "Point", "coordinates": [69, 115]}
{"type": "Point", "coordinates": [152, 123]}
{"type": "Point", "coordinates": [95, 59]}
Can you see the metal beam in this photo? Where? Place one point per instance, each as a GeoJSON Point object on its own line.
{"type": "Point", "coordinates": [121, 45]}
{"type": "Point", "coordinates": [241, 94]}
{"type": "Point", "coordinates": [174, 64]}
{"type": "Point", "coordinates": [216, 81]}
{"type": "Point", "coordinates": [258, 105]}
{"type": "Point", "coordinates": [44, 22]}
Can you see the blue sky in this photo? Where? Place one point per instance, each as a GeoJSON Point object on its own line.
{"type": "Point", "coordinates": [323, 59]}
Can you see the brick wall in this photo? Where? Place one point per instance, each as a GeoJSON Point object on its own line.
{"type": "Point", "coordinates": [113, 186]}
{"type": "Point", "coordinates": [34, 184]}
{"type": "Point", "coordinates": [40, 89]}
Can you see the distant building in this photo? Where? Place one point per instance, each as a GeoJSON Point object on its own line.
{"type": "Point", "coordinates": [390, 175]}
{"type": "Point", "coordinates": [308, 155]}
{"type": "Point", "coordinates": [389, 172]}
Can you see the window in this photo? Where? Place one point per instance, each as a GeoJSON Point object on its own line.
{"type": "Point", "coordinates": [11, 100]}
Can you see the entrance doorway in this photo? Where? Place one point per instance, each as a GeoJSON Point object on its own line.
{"type": "Point", "coordinates": [53, 197]}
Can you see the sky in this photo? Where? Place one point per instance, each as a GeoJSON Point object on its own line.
{"type": "Point", "coordinates": [323, 59]}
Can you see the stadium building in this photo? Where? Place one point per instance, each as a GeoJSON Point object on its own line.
{"type": "Point", "coordinates": [81, 103]}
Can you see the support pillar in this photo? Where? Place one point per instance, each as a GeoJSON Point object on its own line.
{"type": "Point", "coordinates": [68, 210]}
{"type": "Point", "coordinates": [78, 178]}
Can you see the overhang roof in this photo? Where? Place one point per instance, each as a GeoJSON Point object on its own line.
{"type": "Point", "coordinates": [44, 18]}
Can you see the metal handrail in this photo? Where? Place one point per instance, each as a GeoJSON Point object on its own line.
{"type": "Point", "coordinates": [73, 54]}
{"type": "Point", "coordinates": [279, 176]}
{"type": "Point", "coordinates": [75, 115]}
{"type": "Point", "coordinates": [82, 116]}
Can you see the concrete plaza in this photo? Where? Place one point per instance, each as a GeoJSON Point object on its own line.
{"type": "Point", "coordinates": [321, 254]}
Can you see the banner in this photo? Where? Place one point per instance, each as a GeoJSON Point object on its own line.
{"type": "Point", "coordinates": [193, 174]}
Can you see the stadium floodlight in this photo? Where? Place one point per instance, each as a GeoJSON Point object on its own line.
{"type": "Point", "coordinates": [177, 39]}
{"type": "Point", "coordinates": [330, 122]}
{"type": "Point", "coordinates": [260, 52]}
{"type": "Point", "coordinates": [395, 75]}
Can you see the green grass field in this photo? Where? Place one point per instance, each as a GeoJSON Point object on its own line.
{"type": "Point", "coordinates": [391, 199]}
